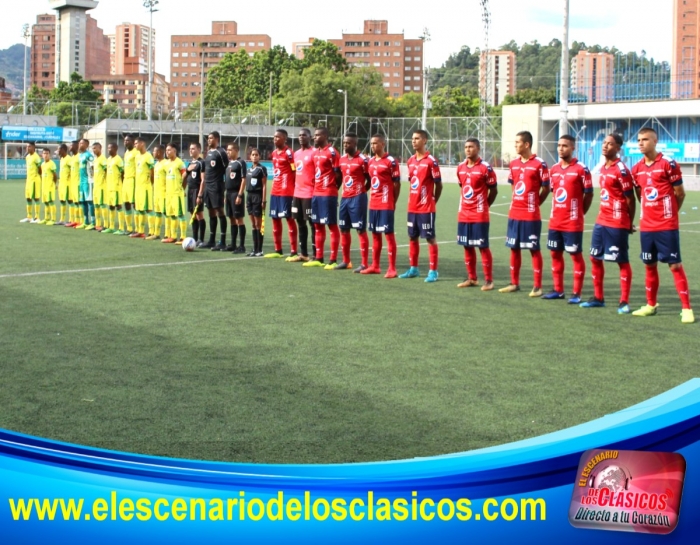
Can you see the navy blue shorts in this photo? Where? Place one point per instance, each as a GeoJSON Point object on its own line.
{"type": "Point", "coordinates": [610, 244]}
{"type": "Point", "coordinates": [421, 225]}
{"type": "Point", "coordinates": [381, 221]}
{"type": "Point", "coordinates": [473, 235]}
{"type": "Point", "coordinates": [664, 246]}
{"type": "Point", "coordinates": [324, 210]}
{"type": "Point", "coordinates": [524, 234]}
{"type": "Point", "coordinates": [565, 241]}
{"type": "Point", "coordinates": [280, 207]}
{"type": "Point", "coordinates": [353, 213]}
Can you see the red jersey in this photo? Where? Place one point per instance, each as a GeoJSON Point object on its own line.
{"type": "Point", "coordinates": [283, 172]}
{"type": "Point", "coordinates": [615, 183]}
{"type": "Point", "coordinates": [383, 173]}
{"type": "Point", "coordinates": [326, 164]}
{"type": "Point", "coordinates": [569, 185]}
{"type": "Point", "coordinates": [354, 171]}
{"type": "Point", "coordinates": [475, 182]}
{"type": "Point", "coordinates": [659, 206]}
{"type": "Point", "coordinates": [423, 175]}
{"type": "Point", "coordinates": [304, 163]}
{"type": "Point", "coordinates": [527, 178]}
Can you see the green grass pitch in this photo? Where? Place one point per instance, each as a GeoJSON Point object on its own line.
{"type": "Point", "coordinates": [137, 346]}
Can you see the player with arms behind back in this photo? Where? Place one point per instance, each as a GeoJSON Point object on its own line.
{"type": "Point", "coordinates": [425, 190]}
{"type": "Point", "coordinates": [479, 190]}
{"type": "Point", "coordinates": [48, 187]}
{"type": "Point", "coordinates": [573, 193]}
{"type": "Point", "coordinates": [615, 223]}
{"type": "Point", "coordinates": [385, 187]}
{"type": "Point", "coordinates": [282, 195]}
{"type": "Point", "coordinates": [303, 192]}
{"type": "Point", "coordinates": [658, 183]}
{"type": "Point", "coordinates": [32, 188]}
{"type": "Point", "coordinates": [529, 177]}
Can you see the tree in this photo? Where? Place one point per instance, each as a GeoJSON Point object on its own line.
{"type": "Point", "coordinates": [408, 105]}
{"type": "Point", "coordinates": [227, 81]}
{"type": "Point", "coordinates": [273, 61]}
{"type": "Point", "coordinates": [37, 93]}
{"type": "Point", "coordinates": [541, 95]}
{"type": "Point", "coordinates": [453, 102]}
{"type": "Point", "coordinates": [325, 54]}
{"type": "Point", "coordinates": [76, 90]}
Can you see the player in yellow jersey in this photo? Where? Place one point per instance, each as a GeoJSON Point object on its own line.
{"type": "Point", "coordinates": [129, 186]}
{"type": "Point", "coordinates": [32, 188]}
{"type": "Point", "coordinates": [143, 199]}
{"type": "Point", "coordinates": [99, 188]}
{"type": "Point", "coordinates": [48, 188]}
{"type": "Point", "coordinates": [76, 210]}
{"type": "Point", "coordinates": [176, 181]}
{"type": "Point", "coordinates": [115, 186]}
{"type": "Point", "coordinates": [159, 173]}
{"type": "Point", "coordinates": [63, 182]}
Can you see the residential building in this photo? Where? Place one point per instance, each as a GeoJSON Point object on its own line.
{"type": "Point", "coordinates": [497, 76]}
{"type": "Point", "coordinates": [42, 71]}
{"type": "Point", "coordinates": [592, 77]}
{"type": "Point", "coordinates": [128, 91]}
{"type": "Point", "coordinates": [131, 44]}
{"type": "Point", "coordinates": [685, 63]}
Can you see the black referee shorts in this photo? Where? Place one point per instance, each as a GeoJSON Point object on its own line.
{"type": "Point", "coordinates": [192, 193]}
{"type": "Point", "coordinates": [234, 210]}
{"type": "Point", "coordinates": [254, 205]}
{"type": "Point", "coordinates": [214, 195]}
{"type": "Point", "coordinates": [301, 209]}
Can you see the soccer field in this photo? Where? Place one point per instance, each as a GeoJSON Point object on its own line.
{"type": "Point", "coordinates": [138, 346]}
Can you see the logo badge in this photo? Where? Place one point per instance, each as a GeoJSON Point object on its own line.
{"type": "Point", "coordinates": [467, 192]}
{"type": "Point", "coordinates": [318, 173]}
{"type": "Point", "coordinates": [628, 491]}
{"type": "Point", "coordinates": [651, 193]}
{"type": "Point", "coordinates": [212, 163]}
{"type": "Point", "coordinates": [415, 182]}
{"type": "Point", "coordinates": [276, 173]}
{"type": "Point", "coordinates": [561, 195]}
{"type": "Point", "coordinates": [375, 183]}
{"type": "Point", "coordinates": [300, 166]}
{"type": "Point", "coordinates": [520, 188]}
{"type": "Point", "coordinates": [348, 181]}
{"type": "Point", "coordinates": [604, 195]}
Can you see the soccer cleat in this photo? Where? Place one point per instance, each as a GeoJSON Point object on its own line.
{"type": "Point", "coordinates": [624, 308]}
{"type": "Point", "coordinates": [219, 248]}
{"type": "Point", "coordinates": [207, 245]}
{"type": "Point", "coordinates": [372, 270]}
{"type": "Point", "coordinates": [35, 220]}
{"type": "Point", "coordinates": [277, 254]}
{"type": "Point", "coordinates": [138, 235]}
{"type": "Point", "coordinates": [259, 254]}
{"type": "Point", "coordinates": [107, 231]}
{"type": "Point", "coordinates": [646, 310]}
{"type": "Point", "coordinates": [168, 240]}
{"type": "Point", "coordinates": [553, 295]}
{"type": "Point", "coordinates": [510, 288]}
{"type": "Point", "coordinates": [593, 303]}
{"type": "Point", "coordinates": [200, 243]}
{"type": "Point", "coordinates": [687, 316]}
{"type": "Point", "coordinates": [178, 241]}
{"type": "Point", "coordinates": [133, 235]}
{"type": "Point", "coordinates": [81, 226]}
{"type": "Point", "coordinates": [294, 258]}
{"type": "Point", "coordinates": [251, 254]}
{"type": "Point", "coordinates": [42, 222]}
{"type": "Point", "coordinates": [99, 229]}
{"type": "Point", "coordinates": [119, 232]}
{"type": "Point", "coordinates": [305, 259]}
{"type": "Point", "coordinates": [239, 250]}
{"type": "Point", "coordinates": [342, 266]}
{"type": "Point", "coordinates": [331, 266]}
{"type": "Point", "coordinates": [61, 223]}
{"type": "Point", "coordinates": [360, 269]}
{"type": "Point", "coordinates": [89, 227]}
{"type": "Point", "coordinates": [25, 220]}
{"type": "Point", "coordinates": [391, 273]}
{"type": "Point", "coordinates": [49, 222]}
{"type": "Point", "coordinates": [468, 283]}
{"type": "Point", "coordinates": [432, 277]}
{"type": "Point", "coordinates": [536, 292]}
{"type": "Point", "coordinates": [575, 299]}
{"type": "Point", "coordinates": [230, 248]}
{"type": "Point", "coordinates": [412, 272]}
{"type": "Point", "coordinates": [487, 287]}
{"type": "Point", "coordinates": [314, 263]}
{"type": "Point", "coordinates": [152, 237]}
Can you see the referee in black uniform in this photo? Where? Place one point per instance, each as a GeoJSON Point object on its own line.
{"type": "Point", "coordinates": [195, 176]}
{"type": "Point", "coordinates": [212, 190]}
{"type": "Point", "coordinates": [235, 205]}
{"type": "Point", "coordinates": [256, 186]}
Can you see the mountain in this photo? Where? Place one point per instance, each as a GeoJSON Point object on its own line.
{"type": "Point", "coordinates": [11, 66]}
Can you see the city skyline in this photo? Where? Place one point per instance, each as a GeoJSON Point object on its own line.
{"type": "Point", "coordinates": [592, 22]}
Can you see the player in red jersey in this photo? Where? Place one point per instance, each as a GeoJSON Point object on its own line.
{"type": "Point", "coordinates": [529, 177]}
{"type": "Point", "coordinates": [282, 194]}
{"type": "Point", "coordinates": [426, 188]}
{"type": "Point", "coordinates": [658, 183]}
{"type": "Point", "coordinates": [615, 223]}
{"type": "Point", "coordinates": [324, 203]}
{"type": "Point", "coordinates": [353, 207]}
{"type": "Point", "coordinates": [479, 190]}
{"type": "Point", "coordinates": [573, 194]}
{"type": "Point", "coordinates": [303, 192]}
{"type": "Point", "coordinates": [385, 184]}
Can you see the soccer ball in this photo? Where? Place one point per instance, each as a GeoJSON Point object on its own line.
{"type": "Point", "coordinates": [189, 244]}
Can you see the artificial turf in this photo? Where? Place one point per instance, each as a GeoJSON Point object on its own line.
{"type": "Point", "coordinates": [138, 346]}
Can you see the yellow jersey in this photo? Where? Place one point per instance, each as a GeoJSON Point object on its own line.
{"type": "Point", "coordinates": [159, 176]}
{"type": "Point", "coordinates": [144, 165]}
{"type": "Point", "coordinates": [174, 171]}
{"type": "Point", "coordinates": [33, 164]}
{"type": "Point", "coordinates": [66, 168]}
{"type": "Point", "coordinates": [130, 163]}
{"type": "Point", "coordinates": [48, 170]}
{"type": "Point", "coordinates": [100, 169]}
{"type": "Point", "coordinates": [115, 171]}
{"type": "Point", "coordinates": [75, 169]}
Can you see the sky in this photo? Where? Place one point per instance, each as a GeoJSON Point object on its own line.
{"type": "Point", "coordinates": [630, 25]}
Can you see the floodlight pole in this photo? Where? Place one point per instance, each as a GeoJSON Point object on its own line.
{"type": "Point", "coordinates": [25, 34]}
{"type": "Point", "coordinates": [345, 110]}
{"type": "Point", "coordinates": [426, 83]}
{"type": "Point", "coordinates": [150, 6]}
{"type": "Point", "coordinates": [564, 83]}
{"type": "Point", "coordinates": [201, 98]}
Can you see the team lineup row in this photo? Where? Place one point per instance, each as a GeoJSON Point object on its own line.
{"type": "Point", "coordinates": [102, 193]}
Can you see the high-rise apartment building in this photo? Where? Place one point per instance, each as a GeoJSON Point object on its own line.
{"type": "Point", "coordinates": [592, 76]}
{"type": "Point", "coordinates": [399, 60]}
{"type": "Point", "coordinates": [42, 72]}
{"type": "Point", "coordinates": [685, 63]}
{"type": "Point", "coordinates": [186, 57]}
{"type": "Point", "coordinates": [131, 44]}
{"type": "Point", "coordinates": [497, 76]}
